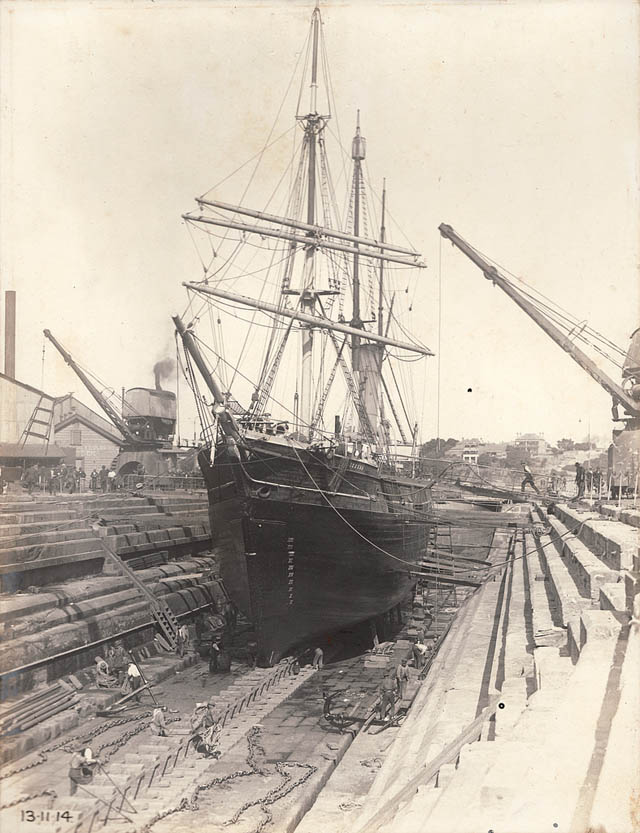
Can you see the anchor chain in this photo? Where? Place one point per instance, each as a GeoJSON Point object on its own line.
{"type": "Point", "coordinates": [287, 786]}
{"type": "Point", "coordinates": [118, 743]}
{"type": "Point", "coordinates": [255, 748]}
{"type": "Point", "coordinates": [66, 744]}
{"type": "Point", "coordinates": [52, 793]}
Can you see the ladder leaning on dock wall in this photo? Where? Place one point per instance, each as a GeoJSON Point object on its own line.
{"type": "Point", "coordinates": [160, 610]}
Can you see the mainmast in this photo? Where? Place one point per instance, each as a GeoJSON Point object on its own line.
{"type": "Point", "coordinates": [358, 151]}
{"type": "Point", "coordinates": [313, 124]}
{"type": "Point", "coordinates": [383, 232]}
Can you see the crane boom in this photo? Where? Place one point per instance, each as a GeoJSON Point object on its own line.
{"type": "Point", "coordinates": [586, 363]}
{"type": "Point", "coordinates": [109, 410]}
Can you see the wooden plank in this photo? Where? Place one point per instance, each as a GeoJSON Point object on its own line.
{"type": "Point", "coordinates": [385, 814]}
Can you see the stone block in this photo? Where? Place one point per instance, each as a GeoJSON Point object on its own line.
{"type": "Point", "coordinates": [596, 625]}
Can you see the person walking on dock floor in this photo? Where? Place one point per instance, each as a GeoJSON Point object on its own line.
{"type": "Point", "coordinates": [133, 681]}
{"type": "Point", "coordinates": [214, 654]}
{"type": "Point", "coordinates": [118, 661]}
{"type": "Point", "coordinates": [158, 725]}
{"type": "Point", "coordinates": [420, 651]}
{"type": "Point", "coordinates": [387, 695]}
{"type": "Point", "coordinates": [318, 659]}
{"type": "Point", "coordinates": [402, 678]}
{"type": "Point", "coordinates": [182, 640]}
{"type": "Point", "coordinates": [528, 478]}
{"type": "Point", "coordinates": [579, 480]}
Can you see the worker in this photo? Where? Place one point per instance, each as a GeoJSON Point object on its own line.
{"type": "Point", "coordinates": [318, 659]}
{"type": "Point", "coordinates": [158, 724]}
{"type": "Point", "coordinates": [579, 480]}
{"type": "Point", "coordinates": [103, 478]}
{"type": "Point", "coordinates": [420, 652]}
{"type": "Point", "coordinates": [30, 479]}
{"type": "Point", "coordinates": [111, 478]}
{"type": "Point", "coordinates": [597, 480]}
{"type": "Point", "coordinates": [252, 654]}
{"type": "Point", "coordinates": [528, 478]}
{"type": "Point", "coordinates": [387, 695]}
{"type": "Point", "coordinates": [402, 678]}
{"type": "Point", "coordinates": [104, 679]}
{"type": "Point", "coordinates": [81, 768]}
{"type": "Point", "coordinates": [214, 655]}
{"type": "Point", "coordinates": [182, 640]}
{"type": "Point", "coordinates": [205, 730]}
{"type": "Point", "coordinates": [134, 680]}
{"type": "Point", "coordinates": [118, 661]}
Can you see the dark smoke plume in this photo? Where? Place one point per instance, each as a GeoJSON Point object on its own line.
{"type": "Point", "coordinates": [163, 369]}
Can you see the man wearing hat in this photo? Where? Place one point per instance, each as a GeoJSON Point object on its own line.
{"type": "Point", "coordinates": [119, 661]}
{"type": "Point", "coordinates": [204, 729]}
{"type": "Point", "coordinates": [158, 724]}
{"type": "Point", "coordinates": [528, 478]}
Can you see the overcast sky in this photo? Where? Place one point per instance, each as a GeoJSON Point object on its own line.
{"type": "Point", "coordinates": [515, 122]}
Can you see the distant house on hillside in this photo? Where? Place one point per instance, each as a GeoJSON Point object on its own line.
{"type": "Point", "coordinates": [534, 445]}
{"type": "Point", "coordinates": [95, 440]}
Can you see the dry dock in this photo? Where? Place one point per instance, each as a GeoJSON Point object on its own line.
{"type": "Point", "coordinates": [527, 720]}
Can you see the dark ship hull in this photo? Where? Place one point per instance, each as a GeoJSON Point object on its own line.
{"type": "Point", "coordinates": [308, 544]}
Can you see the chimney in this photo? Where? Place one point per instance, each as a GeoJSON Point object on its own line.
{"type": "Point", "coordinates": [10, 333]}
{"type": "Point", "coordinates": [156, 372]}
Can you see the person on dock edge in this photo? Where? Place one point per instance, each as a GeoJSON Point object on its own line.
{"type": "Point", "coordinates": [579, 480]}
{"type": "Point", "coordinates": [387, 696]}
{"type": "Point", "coordinates": [402, 678]}
{"type": "Point", "coordinates": [528, 478]}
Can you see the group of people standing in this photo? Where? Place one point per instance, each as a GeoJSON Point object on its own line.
{"type": "Point", "coordinates": [590, 480]}
{"type": "Point", "coordinates": [104, 480]}
{"type": "Point", "coordinates": [62, 478]}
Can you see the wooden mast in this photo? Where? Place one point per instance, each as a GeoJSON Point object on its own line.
{"type": "Point", "coordinates": [358, 147]}
{"type": "Point", "coordinates": [313, 124]}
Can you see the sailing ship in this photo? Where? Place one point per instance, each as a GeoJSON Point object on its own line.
{"type": "Point", "coordinates": [316, 528]}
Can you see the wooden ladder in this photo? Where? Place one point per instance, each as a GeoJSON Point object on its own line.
{"type": "Point", "coordinates": [38, 419]}
{"type": "Point", "coordinates": [160, 610]}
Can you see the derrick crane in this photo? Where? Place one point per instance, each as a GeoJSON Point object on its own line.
{"type": "Point", "coordinates": [624, 451]}
{"type": "Point", "coordinates": [630, 401]}
{"type": "Point", "coordinates": [129, 438]}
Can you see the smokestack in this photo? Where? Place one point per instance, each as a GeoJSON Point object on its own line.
{"type": "Point", "coordinates": [10, 333]}
{"type": "Point", "coordinates": [163, 370]}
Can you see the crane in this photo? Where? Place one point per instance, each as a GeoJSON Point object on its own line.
{"type": "Point", "coordinates": [130, 440]}
{"type": "Point", "coordinates": [630, 401]}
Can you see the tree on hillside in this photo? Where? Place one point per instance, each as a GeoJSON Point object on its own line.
{"type": "Point", "coordinates": [565, 444]}
{"type": "Point", "coordinates": [437, 447]}
{"type": "Point", "coordinates": [515, 457]}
